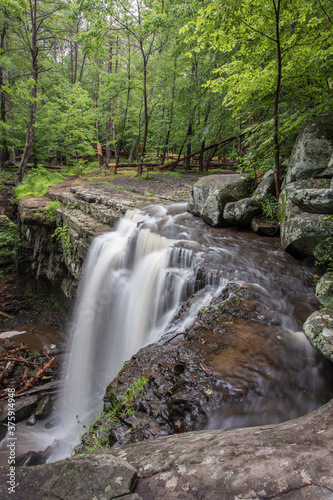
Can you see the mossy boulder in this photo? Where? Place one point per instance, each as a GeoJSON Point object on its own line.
{"type": "Point", "coordinates": [210, 194]}
{"type": "Point", "coordinates": [266, 187]}
{"type": "Point", "coordinates": [302, 233]}
{"type": "Point", "coordinates": [324, 290]}
{"type": "Point", "coordinates": [318, 329]}
{"type": "Point", "coordinates": [312, 155]}
{"type": "Point", "coordinates": [240, 213]}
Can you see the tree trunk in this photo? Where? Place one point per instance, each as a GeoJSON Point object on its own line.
{"type": "Point", "coordinates": [3, 146]}
{"type": "Point", "coordinates": [32, 114]}
{"type": "Point", "coordinates": [201, 165]}
{"type": "Point", "coordinates": [82, 66]}
{"type": "Point", "coordinates": [127, 99]}
{"type": "Point", "coordinates": [188, 148]}
{"type": "Point", "coordinates": [145, 111]}
{"type": "Point", "coordinates": [100, 155]}
{"type": "Point", "coordinates": [108, 121]}
{"type": "Point", "coordinates": [276, 101]}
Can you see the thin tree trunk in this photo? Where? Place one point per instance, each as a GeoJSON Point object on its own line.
{"type": "Point", "coordinates": [114, 137]}
{"type": "Point", "coordinates": [3, 147]}
{"type": "Point", "coordinates": [145, 111]}
{"type": "Point", "coordinates": [32, 113]}
{"type": "Point", "coordinates": [276, 101]}
{"type": "Point", "coordinates": [171, 116]}
{"type": "Point", "coordinates": [187, 163]}
{"type": "Point", "coordinates": [201, 165]}
{"type": "Point", "coordinates": [108, 121]}
{"type": "Point", "coordinates": [127, 99]}
{"type": "Point", "coordinates": [82, 66]}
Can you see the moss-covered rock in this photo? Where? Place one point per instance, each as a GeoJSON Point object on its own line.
{"type": "Point", "coordinates": [312, 152]}
{"type": "Point", "coordinates": [318, 329]}
{"type": "Point", "coordinates": [324, 290]}
{"type": "Point", "coordinates": [210, 194]}
{"type": "Point", "coordinates": [302, 233]}
{"type": "Point", "coordinates": [240, 213]}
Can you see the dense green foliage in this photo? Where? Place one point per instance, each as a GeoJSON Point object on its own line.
{"type": "Point", "coordinates": [36, 183]}
{"type": "Point", "coordinates": [149, 78]}
{"type": "Point", "coordinates": [324, 254]}
{"type": "Point", "coordinates": [9, 243]}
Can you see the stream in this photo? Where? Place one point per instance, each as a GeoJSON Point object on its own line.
{"type": "Point", "coordinates": [137, 277]}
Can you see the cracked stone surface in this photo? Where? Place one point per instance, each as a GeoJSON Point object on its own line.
{"type": "Point", "coordinates": [290, 460]}
{"type": "Point", "coordinates": [99, 476]}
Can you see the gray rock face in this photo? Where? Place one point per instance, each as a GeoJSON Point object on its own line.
{"type": "Point", "coordinates": [262, 226]}
{"type": "Point", "coordinates": [324, 290]}
{"type": "Point", "coordinates": [44, 408]}
{"type": "Point", "coordinates": [312, 152]}
{"type": "Point", "coordinates": [266, 186]}
{"type": "Point", "coordinates": [291, 197]}
{"type": "Point", "coordinates": [210, 194]}
{"type": "Point", "coordinates": [318, 329]}
{"type": "Point", "coordinates": [307, 189]}
{"type": "Point", "coordinates": [23, 408]}
{"type": "Point", "coordinates": [240, 213]}
{"type": "Point", "coordinates": [100, 476]}
{"type": "Point", "coordinates": [318, 201]}
{"type": "Point", "coordinates": [273, 461]}
{"type": "Point", "coordinates": [302, 233]}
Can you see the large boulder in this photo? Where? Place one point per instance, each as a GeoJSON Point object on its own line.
{"type": "Point", "coordinates": [266, 187]}
{"type": "Point", "coordinates": [23, 408]}
{"type": "Point", "coordinates": [210, 194]}
{"type": "Point", "coordinates": [324, 290]}
{"type": "Point", "coordinates": [318, 329]}
{"type": "Point", "coordinates": [293, 197]}
{"type": "Point", "coordinates": [291, 460]}
{"type": "Point", "coordinates": [301, 234]}
{"type": "Point", "coordinates": [240, 213]}
{"type": "Point", "coordinates": [312, 155]}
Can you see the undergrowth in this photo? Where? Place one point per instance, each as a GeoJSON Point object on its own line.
{"type": "Point", "coordinates": [36, 183]}
{"type": "Point", "coordinates": [270, 208]}
{"type": "Point", "coordinates": [97, 429]}
{"type": "Point", "coordinates": [9, 243]}
{"type": "Point", "coordinates": [49, 211]}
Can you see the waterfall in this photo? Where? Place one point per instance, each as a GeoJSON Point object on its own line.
{"type": "Point", "coordinates": [134, 281]}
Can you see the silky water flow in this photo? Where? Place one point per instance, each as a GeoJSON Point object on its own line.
{"type": "Point", "coordinates": [135, 280]}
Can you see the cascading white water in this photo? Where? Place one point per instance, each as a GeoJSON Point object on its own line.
{"type": "Point", "coordinates": [134, 281]}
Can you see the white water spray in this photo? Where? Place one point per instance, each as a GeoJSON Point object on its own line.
{"type": "Point", "coordinates": [134, 281]}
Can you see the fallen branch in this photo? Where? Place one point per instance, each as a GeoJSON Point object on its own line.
{"type": "Point", "coordinates": [41, 388]}
{"type": "Point", "coordinates": [174, 163]}
{"type": "Point", "coordinates": [9, 368]}
{"type": "Point", "coordinates": [35, 377]}
{"type": "Point", "coordinates": [6, 315]}
{"type": "Point", "coordinates": [169, 340]}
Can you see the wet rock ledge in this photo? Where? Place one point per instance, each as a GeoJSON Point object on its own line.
{"type": "Point", "coordinates": [86, 210]}
{"type": "Point", "coordinates": [292, 460]}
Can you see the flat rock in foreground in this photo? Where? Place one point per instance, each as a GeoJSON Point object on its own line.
{"type": "Point", "coordinates": [292, 460]}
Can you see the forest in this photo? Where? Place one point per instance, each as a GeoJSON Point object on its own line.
{"type": "Point", "coordinates": [141, 81]}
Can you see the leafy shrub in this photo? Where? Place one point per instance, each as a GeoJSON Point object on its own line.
{"type": "Point", "coordinates": [270, 207]}
{"type": "Point", "coordinates": [49, 211]}
{"type": "Point", "coordinates": [36, 183]}
{"type": "Point", "coordinates": [61, 235]}
{"type": "Point", "coordinates": [9, 242]}
{"type": "Point", "coordinates": [323, 254]}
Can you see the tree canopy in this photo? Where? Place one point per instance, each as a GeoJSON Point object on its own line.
{"type": "Point", "coordinates": [153, 77]}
